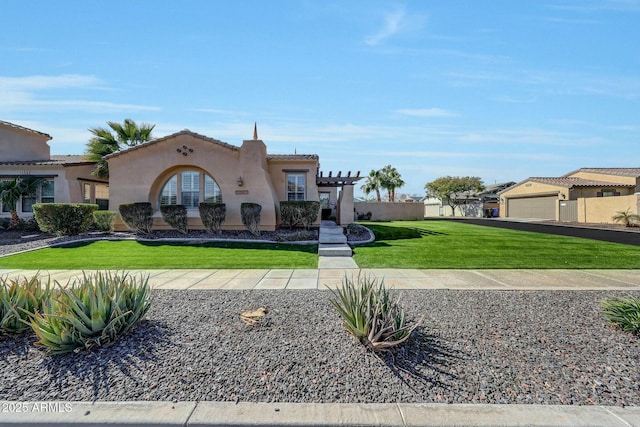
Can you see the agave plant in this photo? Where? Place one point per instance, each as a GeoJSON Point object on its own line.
{"type": "Point", "coordinates": [369, 313]}
{"type": "Point", "coordinates": [92, 311]}
{"type": "Point", "coordinates": [20, 299]}
{"type": "Point", "coordinates": [623, 312]}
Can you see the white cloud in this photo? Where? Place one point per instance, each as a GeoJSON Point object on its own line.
{"type": "Point", "coordinates": [22, 94]}
{"type": "Point", "coordinates": [392, 22]}
{"type": "Point", "coordinates": [396, 22]}
{"type": "Point", "coordinates": [17, 84]}
{"type": "Point", "coordinates": [531, 137]}
{"type": "Point", "coordinates": [426, 112]}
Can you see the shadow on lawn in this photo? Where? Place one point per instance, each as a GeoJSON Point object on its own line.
{"type": "Point", "coordinates": [128, 354]}
{"type": "Point", "coordinates": [206, 244]}
{"type": "Point", "coordinates": [424, 358]}
{"type": "Point", "coordinates": [386, 232]}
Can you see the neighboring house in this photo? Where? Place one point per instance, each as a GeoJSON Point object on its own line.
{"type": "Point", "coordinates": [25, 151]}
{"type": "Point", "coordinates": [479, 204]}
{"type": "Point", "coordinates": [187, 168]}
{"type": "Point", "coordinates": [588, 195]}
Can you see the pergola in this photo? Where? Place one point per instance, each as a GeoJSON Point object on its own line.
{"type": "Point", "coordinates": [338, 180]}
{"type": "Point", "coordinates": [345, 208]}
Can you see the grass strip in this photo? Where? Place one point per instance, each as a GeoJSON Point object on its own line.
{"type": "Point", "coordinates": [124, 255]}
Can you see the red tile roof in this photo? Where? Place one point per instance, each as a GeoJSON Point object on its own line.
{"type": "Point", "coordinates": [292, 157]}
{"type": "Point", "coordinates": [570, 182]}
{"type": "Point", "coordinates": [634, 172]}
{"type": "Point", "coordinates": [63, 160]}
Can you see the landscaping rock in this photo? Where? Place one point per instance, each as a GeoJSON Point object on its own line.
{"type": "Point", "coordinates": [536, 347]}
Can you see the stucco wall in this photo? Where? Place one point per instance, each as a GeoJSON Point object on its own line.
{"type": "Point", "coordinates": [139, 175]}
{"type": "Point", "coordinates": [278, 170]}
{"type": "Point", "coordinates": [383, 211]}
{"type": "Point", "coordinates": [601, 209]}
{"type": "Point", "coordinates": [21, 145]}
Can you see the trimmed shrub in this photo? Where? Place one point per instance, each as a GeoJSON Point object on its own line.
{"type": "Point", "coordinates": [369, 313]}
{"type": "Point", "coordinates": [103, 220]}
{"type": "Point", "coordinates": [137, 216]}
{"type": "Point", "coordinates": [250, 213]}
{"type": "Point", "coordinates": [213, 215]}
{"type": "Point", "coordinates": [20, 299]}
{"type": "Point", "coordinates": [176, 217]}
{"type": "Point", "coordinates": [29, 225]}
{"type": "Point", "coordinates": [64, 219]}
{"type": "Point", "coordinates": [4, 223]}
{"type": "Point", "coordinates": [91, 311]}
{"type": "Point", "coordinates": [299, 212]}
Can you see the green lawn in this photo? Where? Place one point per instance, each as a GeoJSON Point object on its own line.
{"type": "Point", "coordinates": [150, 255]}
{"type": "Point", "coordinates": [401, 244]}
{"type": "Point", "coordinates": [449, 244]}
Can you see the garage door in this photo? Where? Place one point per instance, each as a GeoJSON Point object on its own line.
{"type": "Point", "coordinates": [533, 207]}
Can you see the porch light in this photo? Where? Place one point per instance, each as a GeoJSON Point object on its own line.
{"type": "Point", "coordinates": [240, 181]}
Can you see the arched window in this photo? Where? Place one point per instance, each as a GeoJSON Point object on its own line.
{"type": "Point", "coordinates": [188, 188]}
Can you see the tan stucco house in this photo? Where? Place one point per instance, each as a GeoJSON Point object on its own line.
{"type": "Point", "coordinates": [66, 178]}
{"type": "Point", "coordinates": [588, 195]}
{"type": "Point", "coordinates": [183, 168]}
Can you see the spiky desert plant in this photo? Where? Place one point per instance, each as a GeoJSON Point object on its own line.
{"type": "Point", "coordinates": [623, 312]}
{"type": "Point", "coordinates": [370, 314]}
{"type": "Point", "coordinates": [20, 299]}
{"type": "Point", "coordinates": [92, 311]}
{"type": "Point", "coordinates": [628, 218]}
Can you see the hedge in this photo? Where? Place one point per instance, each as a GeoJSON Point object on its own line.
{"type": "Point", "coordinates": [304, 213]}
{"type": "Point", "coordinates": [213, 215]}
{"type": "Point", "coordinates": [250, 213]}
{"type": "Point", "coordinates": [104, 220]}
{"type": "Point", "coordinates": [137, 216]}
{"type": "Point", "coordinates": [175, 216]}
{"type": "Point", "coordinates": [64, 219]}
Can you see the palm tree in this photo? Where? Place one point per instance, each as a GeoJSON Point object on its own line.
{"type": "Point", "coordinates": [372, 184]}
{"type": "Point", "coordinates": [130, 134]}
{"type": "Point", "coordinates": [627, 217]}
{"type": "Point", "coordinates": [391, 180]}
{"type": "Point", "coordinates": [106, 141]}
{"type": "Point", "coordinates": [11, 191]}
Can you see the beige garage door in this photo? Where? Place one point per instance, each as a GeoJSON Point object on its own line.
{"type": "Point", "coordinates": [533, 207]}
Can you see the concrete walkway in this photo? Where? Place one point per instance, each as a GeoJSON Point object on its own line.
{"type": "Point", "coordinates": [332, 276]}
{"type": "Point", "coordinates": [330, 414]}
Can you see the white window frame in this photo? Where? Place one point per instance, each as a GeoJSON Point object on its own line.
{"type": "Point", "coordinates": [203, 188]}
{"type": "Point", "coordinates": [295, 178]}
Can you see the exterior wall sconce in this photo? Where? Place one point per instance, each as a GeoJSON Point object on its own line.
{"type": "Point", "coordinates": [562, 196]}
{"type": "Point", "coordinates": [240, 181]}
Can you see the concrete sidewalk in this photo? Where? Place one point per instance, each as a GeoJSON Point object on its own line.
{"type": "Point", "coordinates": [315, 414]}
{"type": "Point", "coordinates": [397, 278]}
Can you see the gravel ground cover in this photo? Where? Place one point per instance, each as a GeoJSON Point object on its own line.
{"type": "Point", "coordinates": [532, 347]}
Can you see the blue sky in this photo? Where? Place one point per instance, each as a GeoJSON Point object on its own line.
{"type": "Point", "coordinates": [503, 90]}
